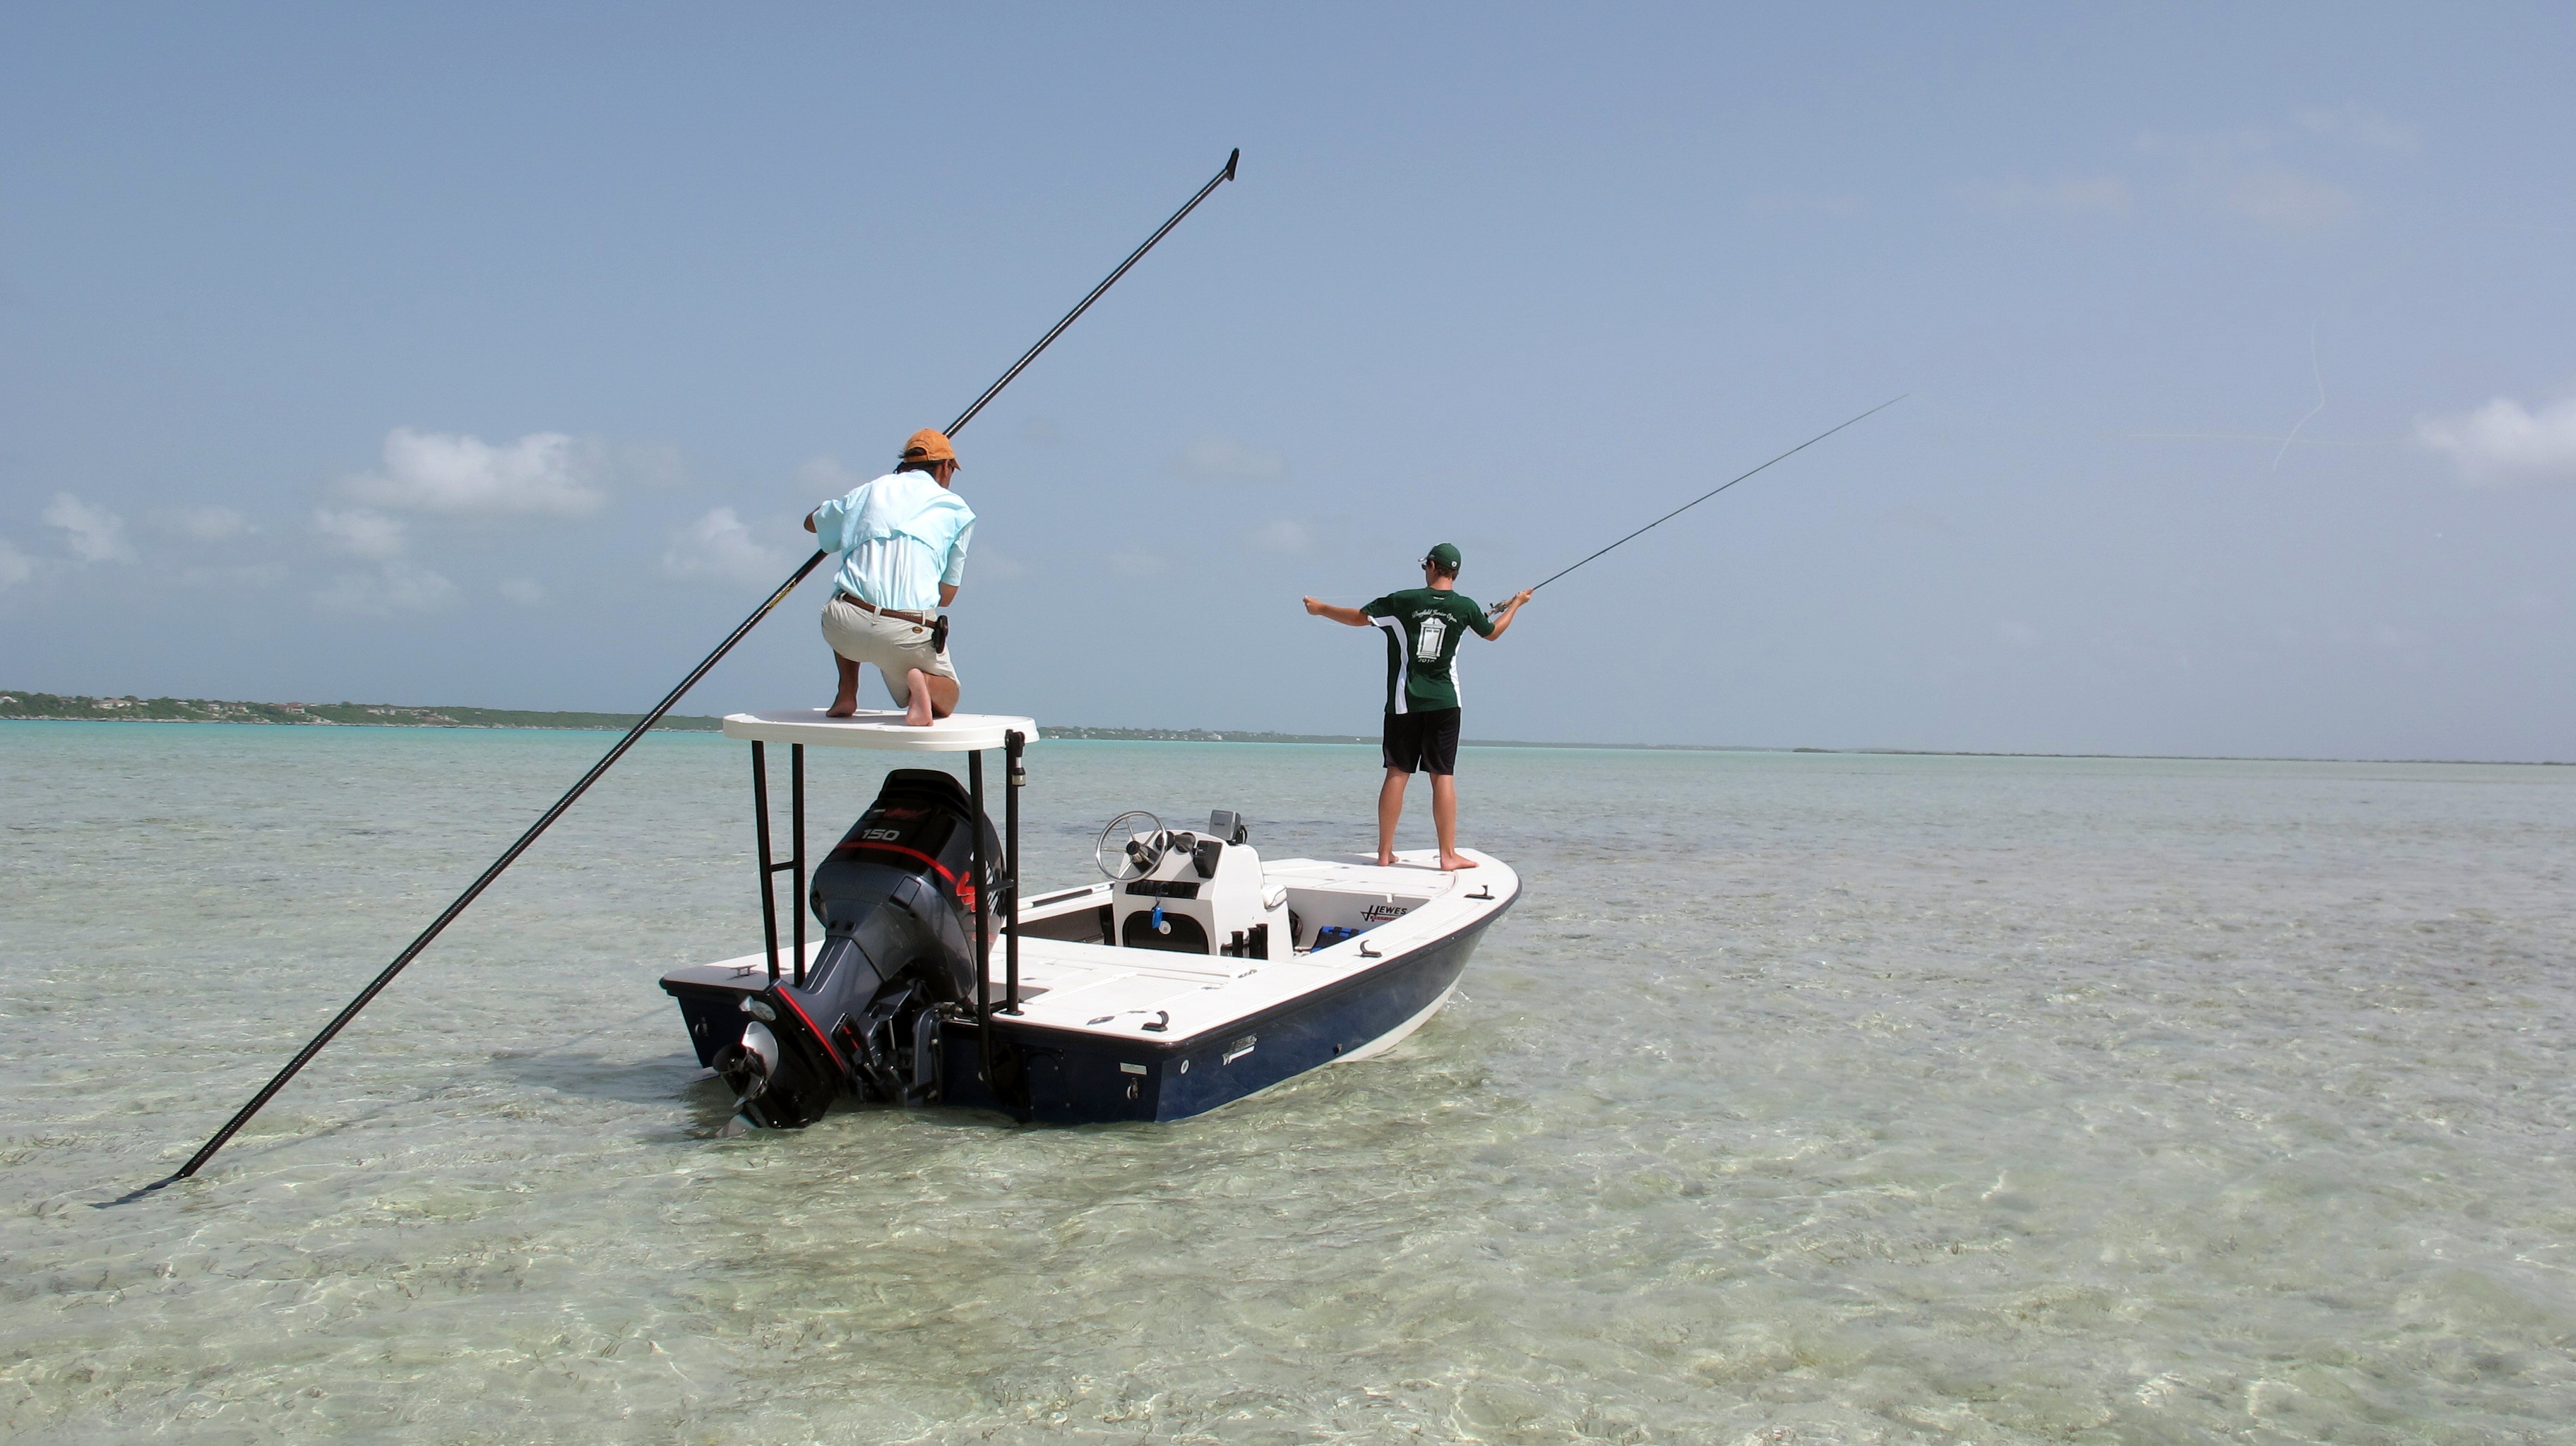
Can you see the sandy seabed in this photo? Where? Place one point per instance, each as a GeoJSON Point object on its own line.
{"type": "Point", "coordinates": [1803, 1098]}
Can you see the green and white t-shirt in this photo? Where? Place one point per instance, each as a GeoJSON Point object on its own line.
{"type": "Point", "coordinates": [1423, 627]}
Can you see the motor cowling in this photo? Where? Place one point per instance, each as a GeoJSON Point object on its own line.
{"type": "Point", "coordinates": [896, 899]}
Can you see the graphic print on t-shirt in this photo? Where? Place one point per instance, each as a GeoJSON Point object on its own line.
{"type": "Point", "coordinates": [1423, 627]}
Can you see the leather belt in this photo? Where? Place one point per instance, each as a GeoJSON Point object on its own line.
{"type": "Point", "coordinates": [919, 620]}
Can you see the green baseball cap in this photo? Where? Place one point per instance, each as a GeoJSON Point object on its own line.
{"type": "Point", "coordinates": [1446, 555]}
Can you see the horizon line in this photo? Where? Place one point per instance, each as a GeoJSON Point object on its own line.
{"type": "Point", "coordinates": [600, 720]}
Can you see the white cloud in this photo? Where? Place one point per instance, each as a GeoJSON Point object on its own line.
{"type": "Point", "coordinates": [2080, 196]}
{"type": "Point", "coordinates": [824, 478]}
{"type": "Point", "coordinates": [15, 566]}
{"type": "Point", "coordinates": [396, 587]}
{"type": "Point", "coordinates": [1841, 207]}
{"type": "Point", "coordinates": [206, 524]}
{"type": "Point", "coordinates": [93, 534]}
{"type": "Point", "coordinates": [541, 473]}
{"type": "Point", "coordinates": [2241, 171]}
{"type": "Point", "coordinates": [652, 464]}
{"type": "Point", "coordinates": [2206, 148]}
{"type": "Point", "coordinates": [360, 533]}
{"type": "Point", "coordinates": [254, 575]}
{"type": "Point", "coordinates": [987, 561]}
{"type": "Point", "coordinates": [720, 545]}
{"type": "Point", "coordinates": [1281, 535]}
{"type": "Point", "coordinates": [526, 592]}
{"type": "Point", "coordinates": [1133, 563]}
{"type": "Point", "coordinates": [410, 588]}
{"type": "Point", "coordinates": [2363, 126]}
{"type": "Point", "coordinates": [2287, 201]}
{"type": "Point", "coordinates": [1215, 458]}
{"type": "Point", "coordinates": [2502, 442]}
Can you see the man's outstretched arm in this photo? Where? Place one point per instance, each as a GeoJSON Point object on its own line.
{"type": "Point", "coordinates": [1323, 609]}
{"type": "Point", "coordinates": [1511, 610]}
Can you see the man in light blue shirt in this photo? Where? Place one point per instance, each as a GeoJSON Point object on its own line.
{"type": "Point", "coordinates": [902, 540]}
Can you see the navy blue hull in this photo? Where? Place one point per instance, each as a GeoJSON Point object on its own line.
{"type": "Point", "coordinates": [1070, 1078]}
{"type": "Point", "coordinates": [714, 1017]}
{"type": "Point", "coordinates": [1080, 1079]}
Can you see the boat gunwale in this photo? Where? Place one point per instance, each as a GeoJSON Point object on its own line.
{"type": "Point", "coordinates": [1156, 1047]}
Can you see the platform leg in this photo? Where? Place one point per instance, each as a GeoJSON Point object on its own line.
{"type": "Point", "coordinates": [796, 811]}
{"type": "Point", "coordinates": [760, 831]}
{"type": "Point", "coordinates": [1013, 775]}
{"type": "Point", "coordinates": [983, 920]}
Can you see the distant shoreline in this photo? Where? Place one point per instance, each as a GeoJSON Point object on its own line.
{"type": "Point", "coordinates": [30, 706]}
{"type": "Point", "coordinates": [34, 707]}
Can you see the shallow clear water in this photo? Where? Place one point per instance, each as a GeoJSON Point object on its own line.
{"type": "Point", "coordinates": [1805, 1097]}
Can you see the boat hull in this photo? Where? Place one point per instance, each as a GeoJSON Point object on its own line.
{"type": "Point", "coordinates": [1079, 1079]}
{"type": "Point", "coordinates": [1115, 1032]}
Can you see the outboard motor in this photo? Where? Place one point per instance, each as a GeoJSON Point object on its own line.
{"type": "Point", "coordinates": [896, 898]}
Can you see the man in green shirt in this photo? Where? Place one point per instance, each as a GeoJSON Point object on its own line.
{"type": "Point", "coordinates": [1423, 627]}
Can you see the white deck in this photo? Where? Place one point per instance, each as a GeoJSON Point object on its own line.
{"type": "Point", "coordinates": [882, 729]}
{"type": "Point", "coordinates": [1114, 992]}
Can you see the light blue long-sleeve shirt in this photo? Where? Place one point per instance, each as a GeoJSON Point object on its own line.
{"type": "Point", "coordinates": [899, 537]}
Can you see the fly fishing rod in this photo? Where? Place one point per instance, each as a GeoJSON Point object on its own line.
{"type": "Point", "coordinates": [511, 854]}
{"type": "Point", "coordinates": [1713, 491]}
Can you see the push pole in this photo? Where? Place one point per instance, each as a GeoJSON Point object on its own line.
{"type": "Point", "coordinates": [1106, 282]}
{"type": "Point", "coordinates": [510, 855]}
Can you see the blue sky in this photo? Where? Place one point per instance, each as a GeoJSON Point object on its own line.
{"type": "Point", "coordinates": [490, 355]}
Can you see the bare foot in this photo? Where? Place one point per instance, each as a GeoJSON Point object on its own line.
{"type": "Point", "coordinates": [918, 712]}
{"type": "Point", "coordinates": [845, 706]}
{"type": "Point", "coordinates": [1385, 858]}
{"type": "Point", "coordinates": [1455, 862]}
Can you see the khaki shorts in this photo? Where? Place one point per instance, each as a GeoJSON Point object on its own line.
{"type": "Point", "coordinates": [895, 646]}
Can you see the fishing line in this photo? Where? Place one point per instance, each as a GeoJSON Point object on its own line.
{"type": "Point", "coordinates": [511, 855]}
{"type": "Point", "coordinates": [2318, 368]}
{"type": "Point", "coordinates": [1713, 491]}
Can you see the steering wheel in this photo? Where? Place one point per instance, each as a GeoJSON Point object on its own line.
{"type": "Point", "coordinates": [1130, 846]}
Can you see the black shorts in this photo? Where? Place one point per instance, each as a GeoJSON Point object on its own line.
{"type": "Point", "coordinates": [1425, 742]}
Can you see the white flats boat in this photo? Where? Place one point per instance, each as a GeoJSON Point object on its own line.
{"type": "Point", "coordinates": [1196, 973]}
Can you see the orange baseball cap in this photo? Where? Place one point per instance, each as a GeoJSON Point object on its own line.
{"type": "Point", "coordinates": [928, 445]}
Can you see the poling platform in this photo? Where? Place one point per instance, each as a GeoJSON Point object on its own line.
{"type": "Point", "coordinates": [884, 730]}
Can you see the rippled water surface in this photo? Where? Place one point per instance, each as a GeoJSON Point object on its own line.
{"type": "Point", "coordinates": [1802, 1098]}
